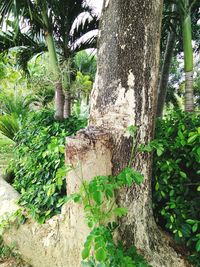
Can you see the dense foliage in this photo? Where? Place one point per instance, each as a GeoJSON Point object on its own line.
{"type": "Point", "coordinates": [176, 182]}
{"type": "Point", "coordinates": [39, 162]}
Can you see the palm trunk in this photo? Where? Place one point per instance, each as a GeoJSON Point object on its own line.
{"type": "Point", "coordinates": [59, 97]}
{"type": "Point", "coordinates": [124, 94]}
{"type": "Point", "coordinates": [67, 105]}
{"type": "Point", "coordinates": [188, 62]}
{"type": "Point", "coordinates": [59, 101]}
{"type": "Point", "coordinates": [162, 88]}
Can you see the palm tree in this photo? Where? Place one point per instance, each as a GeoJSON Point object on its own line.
{"type": "Point", "coordinates": [165, 70]}
{"type": "Point", "coordinates": [53, 22]}
{"type": "Point", "coordinates": [172, 43]}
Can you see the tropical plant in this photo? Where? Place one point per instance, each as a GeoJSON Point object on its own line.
{"type": "Point", "coordinates": [56, 23]}
{"type": "Point", "coordinates": [173, 41]}
{"type": "Point", "coordinates": [185, 7]}
{"type": "Point", "coordinates": [9, 125]}
{"type": "Point", "coordinates": [13, 107]}
{"type": "Point", "coordinates": [165, 71]}
{"type": "Point", "coordinates": [86, 63]}
{"type": "Point", "coordinates": [15, 103]}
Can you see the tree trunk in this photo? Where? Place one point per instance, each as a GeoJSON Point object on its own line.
{"type": "Point", "coordinates": [59, 97]}
{"type": "Point", "coordinates": [164, 78]}
{"type": "Point", "coordinates": [188, 62]}
{"type": "Point", "coordinates": [59, 101]}
{"type": "Point", "coordinates": [124, 94]}
{"type": "Point", "coordinates": [67, 105]}
{"type": "Point", "coordinates": [189, 94]}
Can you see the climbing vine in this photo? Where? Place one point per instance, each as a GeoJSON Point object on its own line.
{"type": "Point", "coordinates": [101, 212]}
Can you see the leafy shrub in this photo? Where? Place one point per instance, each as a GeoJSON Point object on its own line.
{"type": "Point", "coordinates": [176, 178]}
{"type": "Point", "coordinates": [39, 162]}
{"type": "Point", "coordinates": [9, 125]}
{"type": "Point", "coordinates": [15, 103]}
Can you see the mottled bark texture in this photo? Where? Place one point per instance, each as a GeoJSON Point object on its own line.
{"type": "Point", "coordinates": [164, 77]}
{"type": "Point", "coordinates": [59, 101]}
{"type": "Point", "coordinates": [189, 93]}
{"type": "Point", "coordinates": [125, 94]}
{"type": "Point", "coordinates": [67, 105]}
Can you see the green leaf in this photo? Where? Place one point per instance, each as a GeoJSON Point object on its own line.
{"type": "Point", "coordinates": [109, 193]}
{"type": "Point", "coordinates": [97, 197]}
{"type": "Point", "coordinates": [138, 177]}
{"type": "Point", "coordinates": [120, 212]}
{"type": "Point", "coordinates": [85, 253]}
{"type": "Point", "coordinates": [198, 188]}
{"type": "Point", "coordinates": [132, 130]}
{"type": "Point", "coordinates": [198, 246]}
{"type": "Point", "coordinates": [159, 152]}
{"type": "Point", "coordinates": [157, 186]}
{"type": "Point", "coordinates": [41, 219]}
{"type": "Point", "coordinates": [90, 224]}
{"type": "Point", "coordinates": [183, 174]}
{"type": "Point", "coordinates": [100, 254]}
{"type": "Point", "coordinates": [192, 138]}
{"type": "Point", "coordinates": [171, 218]}
{"type": "Point", "coordinates": [180, 234]}
{"type": "Point", "coordinates": [195, 227]}
{"type": "Point", "coordinates": [198, 151]}
{"type": "Point", "coordinates": [190, 221]}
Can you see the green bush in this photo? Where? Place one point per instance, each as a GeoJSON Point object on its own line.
{"type": "Point", "coordinates": [9, 125]}
{"type": "Point", "coordinates": [39, 162]}
{"type": "Point", "coordinates": [176, 182]}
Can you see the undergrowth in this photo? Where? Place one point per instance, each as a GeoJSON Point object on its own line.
{"type": "Point", "coordinates": [39, 162]}
{"type": "Point", "coordinates": [176, 179]}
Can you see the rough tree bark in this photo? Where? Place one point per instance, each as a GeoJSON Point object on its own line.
{"type": "Point", "coordinates": [125, 94]}
{"type": "Point", "coordinates": [164, 77]}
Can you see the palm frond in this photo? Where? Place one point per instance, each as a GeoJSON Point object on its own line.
{"type": "Point", "coordinates": [25, 54]}
{"type": "Point", "coordinates": [85, 42]}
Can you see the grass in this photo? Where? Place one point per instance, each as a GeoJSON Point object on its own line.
{"type": "Point", "coordinates": [6, 151]}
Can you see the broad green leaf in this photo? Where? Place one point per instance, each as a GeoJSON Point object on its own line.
{"type": "Point", "coordinates": [190, 221]}
{"type": "Point", "coordinates": [192, 138]}
{"type": "Point", "coordinates": [100, 255]}
{"type": "Point", "coordinates": [85, 253]}
{"type": "Point", "coordinates": [195, 227]}
{"type": "Point", "coordinates": [97, 197]}
{"type": "Point", "coordinates": [183, 174]}
{"type": "Point", "coordinates": [138, 177]}
{"type": "Point", "coordinates": [198, 246]}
